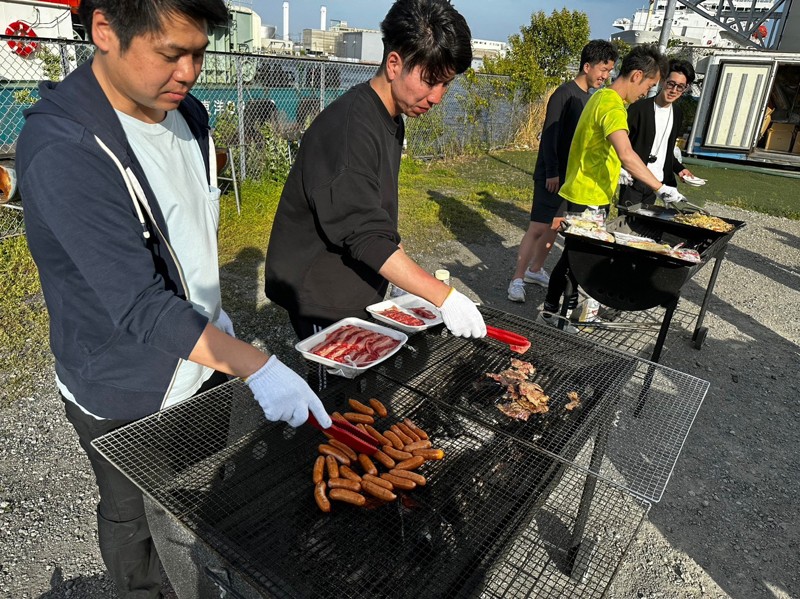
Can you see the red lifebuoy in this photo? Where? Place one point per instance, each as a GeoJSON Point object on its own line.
{"type": "Point", "coordinates": [21, 29]}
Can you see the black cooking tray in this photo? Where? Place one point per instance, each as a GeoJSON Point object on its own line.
{"type": "Point", "coordinates": [664, 218]}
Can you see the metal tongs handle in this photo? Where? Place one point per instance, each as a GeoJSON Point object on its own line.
{"type": "Point", "coordinates": [350, 435]}
{"type": "Point", "coordinates": [516, 343]}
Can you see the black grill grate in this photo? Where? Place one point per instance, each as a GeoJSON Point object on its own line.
{"type": "Point", "coordinates": [487, 524]}
{"type": "Point", "coordinates": [630, 398]}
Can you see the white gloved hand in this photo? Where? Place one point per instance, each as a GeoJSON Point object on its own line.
{"type": "Point", "coordinates": [283, 395]}
{"type": "Point", "coordinates": [670, 195]}
{"type": "Point", "coordinates": [625, 177]}
{"type": "Point", "coordinates": [225, 324]}
{"type": "Point", "coordinates": [461, 316]}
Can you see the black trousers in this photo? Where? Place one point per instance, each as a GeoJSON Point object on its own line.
{"type": "Point", "coordinates": [126, 544]}
{"type": "Point", "coordinates": [638, 193]}
{"type": "Point", "coordinates": [561, 274]}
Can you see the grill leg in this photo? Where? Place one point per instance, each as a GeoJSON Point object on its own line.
{"type": "Point", "coordinates": [662, 333]}
{"type": "Point", "coordinates": [580, 548]}
{"type": "Point", "coordinates": [709, 290]}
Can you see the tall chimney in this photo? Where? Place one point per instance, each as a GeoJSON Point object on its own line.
{"type": "Point", "coordinates": [323, 17]}
{"type": "Point", "coordinates": [286, 21]}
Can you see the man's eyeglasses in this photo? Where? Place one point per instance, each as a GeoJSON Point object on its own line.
{"type": "Point", "coordinates": [678, 87]}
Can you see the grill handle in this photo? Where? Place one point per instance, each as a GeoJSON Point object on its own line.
{"type": "Point", "coordinates": [516, 343]}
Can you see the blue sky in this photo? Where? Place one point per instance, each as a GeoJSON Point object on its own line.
{"type": "Point", "coordinates": [488, 19]}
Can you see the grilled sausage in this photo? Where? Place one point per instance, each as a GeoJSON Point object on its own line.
{"type": "Point", "coordinates": [357, 418]}
{"type": "Point", "coordinates": [424, 444]}
{"type": "Point", "coordinates": [403, 437]}
{"type": "Point", "coordinates": [347, 472]}
{"type": "Point", "coordinates": [384, 459]}
{"type": "Point", "coordinates": [333, 466]}
{"type": "Point", "coordinates": [360, 407]}
{"type": "Point", "coordinates": [326, 450]}
{"type": "Point", "coordinates": [396, 454]}
{"type": "Point", "coordinates": [379, 481]}
{"type": "Point", "coordinates": [377, 491]}
{"type": "Point", "coordinates": [319, 467]}
{"type": "Point", "coordinates": [320, 498]}
{"type": "Point", "coordinates": [413, 476]}
{"type": "Point", "coordinates": [347, 496]}
{"type": "Point", "coordinates": [406, 484]}
{"type": "Point", "coordinates": [379, 408]}
{"type": "Point", "coordinates": [394, 439]}
{"type": "Point", "coordinates": [367, 464]}
{"type": "Point", "coordinates": [411, 463]}
{"type": "Point", "coordinates": [345, 449]}
{"type": "Point", "coordinates": [429, 454]}
{"type": "Point", "coordinates": [376, 435]}
{"type": "Point", "coordinates": [410, 424]}
{"type": "Point", "coordinates": [344, 483]}
{"type": "Point", "coordinates": [337, 416]}
{"type": "Point", "coordinates": [408, 431]}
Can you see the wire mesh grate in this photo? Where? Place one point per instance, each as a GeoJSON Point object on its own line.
{"type": "Point", "coordinates": [644, 409]}
{"type": "Point", "coordinates": [496, 516]}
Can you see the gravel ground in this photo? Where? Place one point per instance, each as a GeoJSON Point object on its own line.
{"type": "Point", "coordinates": [726, 527]}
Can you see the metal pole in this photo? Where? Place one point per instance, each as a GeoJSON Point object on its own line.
{"type": "Point", "coordinates": [666, 26]}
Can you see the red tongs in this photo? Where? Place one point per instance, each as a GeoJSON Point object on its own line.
{"type": "Point", "coordinates": [347, 433]}
{"type": "Point", "coordinates": [516, 343]}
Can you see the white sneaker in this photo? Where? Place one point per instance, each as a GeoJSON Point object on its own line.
{"type": "Point", "coordinates": [516, 291]}
{"type": "Point", "coordinates": [552, 320]}
{"type": "Point", "coordinates": [540, 278]}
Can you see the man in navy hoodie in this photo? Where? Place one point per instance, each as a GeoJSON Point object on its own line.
{"type": "Point", "coordinates": [121, 215]}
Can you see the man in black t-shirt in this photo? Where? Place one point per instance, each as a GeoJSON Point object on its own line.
{"type": "Point", "coordinates": [335, 245]}
{"type": "Point", "coordinates": [563, 111]}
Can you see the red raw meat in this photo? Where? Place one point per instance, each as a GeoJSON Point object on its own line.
{"type": "Point", "coordinates": [402, 317]}
{"type": "Point", "coordinates": [354, 345]}
{"type": "Point", "coordinates": [423, 313]}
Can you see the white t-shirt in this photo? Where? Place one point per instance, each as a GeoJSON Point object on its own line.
{"type": "Point", "coordinates": [660, 141]}
{"type": "Point", "coordinates": [174, 167]}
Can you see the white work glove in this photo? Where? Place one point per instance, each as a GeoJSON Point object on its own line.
{"type": "Point", "coordinates": [669, 195]}
{"type": "Point", "coordinates": [283, 395]}
{"type": "Point", "coordinates": [461, 316]}
{"type": "Point", "coordinates": [625, 177]}
{"type": "Point", "coordinates": [225, 324]}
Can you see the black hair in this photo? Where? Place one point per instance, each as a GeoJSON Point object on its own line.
{"type": "Point", "coordinates": [430, 34]}
{"type": "Point", "coordinates": [684, 67]}
{"type": "Point", "coordinates": [129, 18]}
{"type": "Point", "coordinates": [597, 51]}
{"type": "Point", "coordinates": [645, 58]}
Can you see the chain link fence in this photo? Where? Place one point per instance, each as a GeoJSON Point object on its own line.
{"type": "Point", "coordinates": [260, 105]}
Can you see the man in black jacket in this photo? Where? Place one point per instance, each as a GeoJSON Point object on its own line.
{"type": "Point", "coordinates": [335, 244]}
{"type": "Point", "coordinates": [654, 124]}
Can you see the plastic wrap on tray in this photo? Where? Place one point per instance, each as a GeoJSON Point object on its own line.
{"type": "Point", "coordinates": [589, 223]}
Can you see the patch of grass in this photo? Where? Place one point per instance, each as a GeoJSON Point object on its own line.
{"type": "Point", "coordinates": [24, 348]}
{"type": "Point", "coordinates": [758, 192]}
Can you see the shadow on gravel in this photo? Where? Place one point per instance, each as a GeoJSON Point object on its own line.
{"type": "Point", "coordinates": [731, 503]}
{"type": "Point", "coordinates": [80, 587]}
{"type": "Point", "coordinates": [791, 240]}
{"type": "Point", "coordinates": [784, 274]}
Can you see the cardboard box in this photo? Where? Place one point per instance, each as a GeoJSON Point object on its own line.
{"type": "Point", "coordinates": [796, 147]}
{"type": "Point", "coordinates": [766, 122]}
{"type": "Point", "coordinates": [779, 137]}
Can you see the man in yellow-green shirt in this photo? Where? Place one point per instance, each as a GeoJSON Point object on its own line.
{"type": "Point", "coordinates": [600, 148]}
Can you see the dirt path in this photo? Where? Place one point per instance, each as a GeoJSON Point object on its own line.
{"type": "Point", "coordinates": [726, 527]}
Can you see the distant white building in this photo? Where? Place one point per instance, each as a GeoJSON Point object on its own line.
{"type": "Point", "coordinates": [483, 48]}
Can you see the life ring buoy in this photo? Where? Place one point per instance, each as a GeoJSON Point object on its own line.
{"type": "Point", "coordinates": [21, 29]}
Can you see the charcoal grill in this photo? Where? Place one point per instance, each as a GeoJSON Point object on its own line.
{"type": "Point", "coordinates": [505, 514]}
{"type": "Point", "coordinates": [630, 279]}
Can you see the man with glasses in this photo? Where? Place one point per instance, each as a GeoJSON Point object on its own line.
{"type": "Point", "coordinates": [654, 124]}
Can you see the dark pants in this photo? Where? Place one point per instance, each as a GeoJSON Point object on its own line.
{"type": "Point", "coordinates": [561, 274]}
{"type": "Point", "coordinates": [638, 193]}
{"type": "Point", "coordinates": [124, 535]}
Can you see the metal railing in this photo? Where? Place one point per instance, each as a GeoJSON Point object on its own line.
{"type": "Point", "coordinates": [260, 105]}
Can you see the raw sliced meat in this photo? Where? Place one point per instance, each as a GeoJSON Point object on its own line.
{"type": "Point", "coordinates": [402, 317]}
